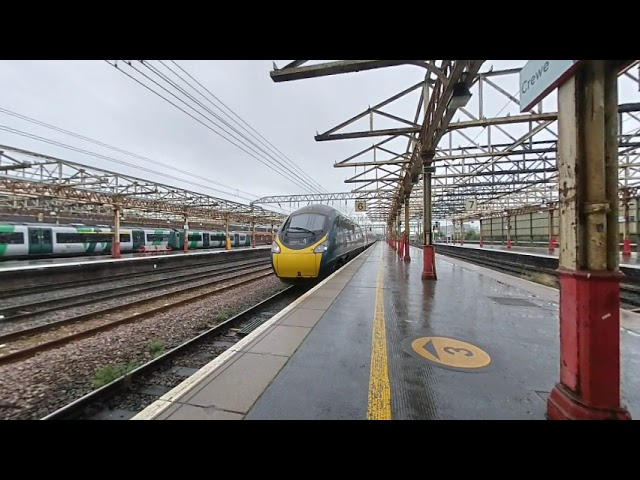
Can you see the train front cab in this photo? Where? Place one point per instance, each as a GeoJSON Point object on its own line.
{"type": "Point", "coordinates": [299, 247]}
{"type": "Point", "coordinates": [298, 265]}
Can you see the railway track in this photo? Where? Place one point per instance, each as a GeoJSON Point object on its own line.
{"type": "Point", "coordinates": [31, 309]}
{"type": "Point", "coordinates": [207, 261]}
{"type": "Point", "coordinates": [27, 342]}
{"type": "Point", "coordinates": [629, 292]}
{"type": "Point", "coordinates": [143, 385]}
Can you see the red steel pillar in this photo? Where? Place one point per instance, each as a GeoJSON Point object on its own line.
{"type": "Point", "coordinates": [509, 232]}
{"type": "Point", "coordinates": [393, 236]}
{"type": "Point", "coordinates": [589, 386]}
{"type": "Point", "coordinates": [400, 240]}
{"type": "Point", "coordinates": [407, 229]}
{"type": "Point", "coordinates": [481, 240]}
{"type": "Point", "coordinates": [626, 245]}
{"type": "Point", "coordinates": [552, 245]}
{"type": "Point", "coordinates": [461, 232]}
{"type": "Point", "coordinates": [116, 231]}
{"type": "Point", "coordinates": [186, 232]}
{"type": "Point", "coordinates": [226, 234]}
{"type": "Point", "coordinates": [428, 250]}
{"type": "Point", "coordinates": [253, 226]}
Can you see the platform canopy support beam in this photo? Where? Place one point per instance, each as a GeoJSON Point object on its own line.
{"type": "Point", "coordinates": [117, 211]}
{"type": "Point", "coordinates": [428, 250]}
{"type": "Point", "coordinates": [589, 386]}
{"type": "Point", "coordinates": [407, 230]}
{"type": "Point", "coordinates": [185, 214]}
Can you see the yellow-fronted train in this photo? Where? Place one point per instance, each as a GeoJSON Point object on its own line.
{"type": "Point", "coordinates": [315, 241]}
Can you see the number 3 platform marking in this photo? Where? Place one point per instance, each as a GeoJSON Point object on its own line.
{"type": "Point", "coordinates": [449, 352]}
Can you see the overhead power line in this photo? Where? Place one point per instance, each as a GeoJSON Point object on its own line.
{"type": "Point", "coordinates": [274, 148]}
{"type": "Point", "coordinates": [286, 174]}
{"type": "Point", "coordinates": [135, 155]}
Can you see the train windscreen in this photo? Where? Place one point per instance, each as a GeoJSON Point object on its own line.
{"type": "Point", "coordinates": [303, 229]}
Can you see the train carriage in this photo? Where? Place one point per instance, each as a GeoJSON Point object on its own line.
{"type": "Point", "coordinates": [87, 240]}
{"type": "Point", "coordinates": [264, 238]}
{"type": "Point", "coordinates": [217, 239]}
{"type": "Point", "coordinates": [38, 240]}
{"type": "Point", "coordinates": [313, 242]}
{"type": "Point", "coordinates": [159, 237]}
{"type": "Point", "coordinates": [14, 241]}
{"type": "Point", "coordinates": [240, 239]}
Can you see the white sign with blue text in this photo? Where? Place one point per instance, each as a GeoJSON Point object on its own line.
{"type": "Point", "coordinates": [539, 77]}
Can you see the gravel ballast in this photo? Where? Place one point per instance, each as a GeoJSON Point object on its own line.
{"type": "Point", "coordinates": [37, 386]}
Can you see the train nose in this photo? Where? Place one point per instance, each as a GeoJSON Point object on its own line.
{"type": "Point", "coordinates": [297, 265]}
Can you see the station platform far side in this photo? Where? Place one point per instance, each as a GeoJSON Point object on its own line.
{"type": "Point", "coordinates": [83, 260]}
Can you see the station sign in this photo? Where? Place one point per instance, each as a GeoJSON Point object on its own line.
{"type": "Point", "coordinates": [538, 78]}
{"type": "Point", "coordinates": [361, 206]}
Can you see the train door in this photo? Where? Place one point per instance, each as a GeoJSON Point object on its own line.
{"type": "Point", "coordinates": [236, 239]}
{"type": "Point", "coordinates": [205, 240]}
{"type": "Point", "coordinates": [40, 241]}
{"type": "Point", "coordinates": [242, 239]}
{"type": "Point", "coordinates": [176, 240]}
{"type": "Point", "coordinates": [138, 239]}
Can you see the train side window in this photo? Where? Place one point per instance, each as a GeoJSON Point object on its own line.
{"type": "Point", "coordinates": [342, 231]}
{"type": "Point", "coordinates": [14, 238]}
{"type": "Point", "coordinates": [138, 236]}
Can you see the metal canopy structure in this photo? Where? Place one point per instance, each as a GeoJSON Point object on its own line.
{"type": "Point", "coordinates": [484, 162]}
{"type": "Point", "coordinates": [31, 181]}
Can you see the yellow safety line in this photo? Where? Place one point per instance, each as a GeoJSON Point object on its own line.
{"type": "Point", "coordinates": [379, 383]}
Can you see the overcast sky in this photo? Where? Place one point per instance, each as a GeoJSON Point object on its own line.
{"type": "Point", "coordinates": [94, 99]}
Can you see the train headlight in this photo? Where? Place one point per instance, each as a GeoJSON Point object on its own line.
{"type": "Point", "coordinates": [322, 247]}
{"type": "Point", "coordinates": [275, 248]}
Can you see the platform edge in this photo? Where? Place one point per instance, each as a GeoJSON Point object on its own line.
{"type": "Point", "coordinates": [163, 403]}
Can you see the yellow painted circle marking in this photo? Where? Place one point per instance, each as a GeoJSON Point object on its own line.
{"type": "Point", "coordinates": [451, 352]}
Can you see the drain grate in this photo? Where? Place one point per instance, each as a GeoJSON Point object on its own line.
{"type": "Point", "coordinates": [252, 325]}
{"type": "Point", "coordinates": [513, 301]}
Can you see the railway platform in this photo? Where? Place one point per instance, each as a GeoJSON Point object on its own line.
{"type": "Point", "coordinates": [83, 260]}
{"type": "Point", "coordinates": [629, 260]}
{"type": "Point", "coordinates": [17, 275]}
{"type": "Point", "coordinates": [375, 341]}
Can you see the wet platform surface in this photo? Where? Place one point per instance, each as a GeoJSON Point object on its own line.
{"type": "Point", "coordinates": [9, 265]}
{"type": "Point", "coordinates": [375, 341]}
{"type": "Point", "coordinates": [633, 260]}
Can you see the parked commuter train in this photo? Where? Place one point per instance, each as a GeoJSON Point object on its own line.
{"type": "Point", "coordinates": [24, 240]}
{"type": "Point", "coordinates": [314, 241]}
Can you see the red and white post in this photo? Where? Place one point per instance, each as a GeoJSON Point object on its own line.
{"type": "Point", "coordinates": [589, 385]}
{"type": "Point", "coordinates": [116, 231]}
{"type": "Point", "coordinates": [626, 242]}
{"type": "Point", "coordinates": [186, 234]}
{"type": "Point", "coordinates": [407, 229]}
{"type": "Point", "coordinates": [428, 250]}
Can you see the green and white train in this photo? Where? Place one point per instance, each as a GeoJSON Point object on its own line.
{"type": "Point", "coordinates": [23, 240]}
